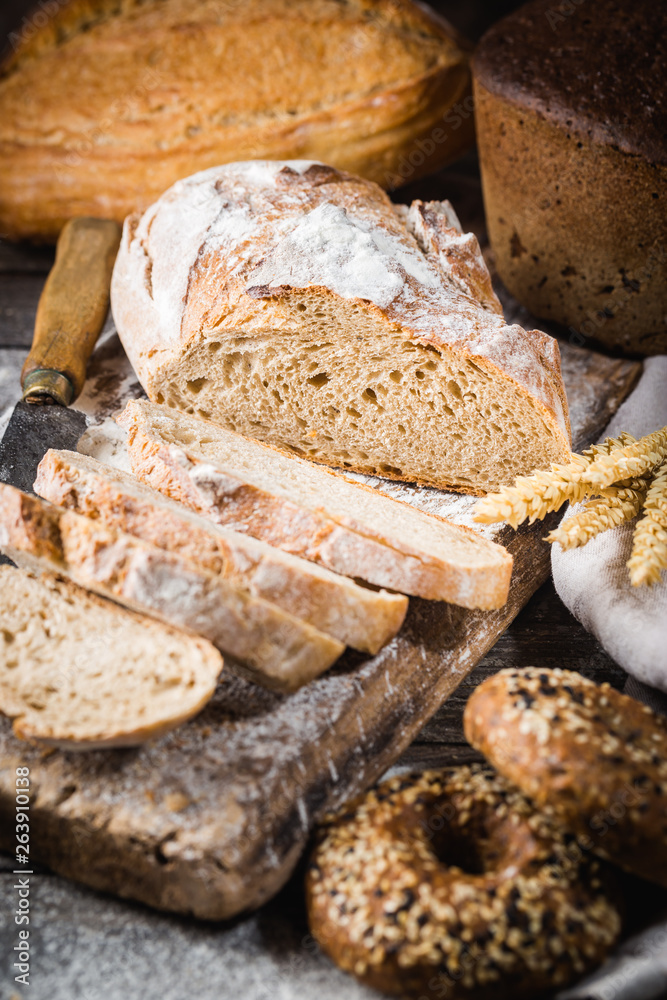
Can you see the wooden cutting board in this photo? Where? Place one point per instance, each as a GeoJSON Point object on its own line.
{"type": "Point", "coordinates": [211, 819]}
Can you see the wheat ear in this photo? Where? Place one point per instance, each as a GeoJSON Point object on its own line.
{"type": "Point", "coordinates": [608, 445]}
{"type": "Point", "coordinates": [635, 459]}
{"type": "Point", "coordinates": [533, 497]}
{"type": "Point", "coordinates": [649, 542]}
{"type": "Point", "coordinates": [618, 504]}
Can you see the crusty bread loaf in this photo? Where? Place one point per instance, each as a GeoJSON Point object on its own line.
{"type": "Point", "coordinates": [381, 87]}
{"type": "Point", "coordinates": [82, 673]}
{"type": "Point", "coordinates": [311, 511]}
{"type": "Point", "coordinates": [573, 151]}
{"type": "Point", "coordinates": [277, 649]}
{"type": "Point", "coordinates": [295, 304]}
{"type": "Point", "coordinates": [358, 616]}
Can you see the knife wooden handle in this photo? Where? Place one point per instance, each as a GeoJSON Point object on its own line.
{"type": "Point", "coordinates": [71, 311]}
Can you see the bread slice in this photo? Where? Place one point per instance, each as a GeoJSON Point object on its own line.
{"type": "Point", "coordinates": [358, 616]}
{"type": "Point", "coordinates": [295, 304]}
{"type": "Point", "coordinates": [311, 511]}
{"type": "Point", "coordinates": [277, 649]}
{"type": "Point", "coordinates": [81, 673]}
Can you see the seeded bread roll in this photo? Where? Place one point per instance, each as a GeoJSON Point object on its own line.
{"type": "Point", "coordinates": [295, 304]}
{"type": "Point", "coordinates": [590, 757]}
{"type": "Point", "coordinates": [107, 104]}
{"type": "Point", "coordinates": [449, 884]}
{"type": "Point", "coordinates": [571, 117]}
{"type": "Point", "coordinates": [81, 673]}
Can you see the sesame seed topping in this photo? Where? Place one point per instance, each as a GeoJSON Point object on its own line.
{"type": "Point", "coordinates": [493, 891]}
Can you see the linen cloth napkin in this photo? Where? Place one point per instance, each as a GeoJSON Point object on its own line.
{"type": "Point", "coordinates": [593, 582]}
{"type": "Point", "coordinates": [631, 624]}
{"type": "Point", "coordinates": [638, 970]}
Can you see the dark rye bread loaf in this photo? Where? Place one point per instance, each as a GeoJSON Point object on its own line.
{"type": "Point", "coordinates": [571, 109]}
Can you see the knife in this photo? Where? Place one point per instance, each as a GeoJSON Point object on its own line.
{"type": "Point", "coordinates": [70, 315]}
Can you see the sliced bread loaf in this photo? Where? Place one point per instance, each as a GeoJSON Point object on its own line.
{"type": "Point", "coordinates": [82, 673]}
{"type": "Point", "coordinates": [277, 649]}
{"type": "Point", "coordinates": [358, 616]}
{"type": "Point", "coordinates": [295, 304]}
{"type": "Point", "coordinates": [311, 511]}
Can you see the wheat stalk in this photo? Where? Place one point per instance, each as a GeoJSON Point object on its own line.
{"type": "Point", "coordinates": [634, 459]}
{"type": "Point", "coordinates": [533, 497]}
{"type": "Point", "coordinates": [649, 542]}
{"type": "Point", "coordinates": [608, 445]}
{"type": "Point", "coordinates": [618, 504]}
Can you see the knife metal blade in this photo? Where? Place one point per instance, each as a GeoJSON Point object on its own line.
{"type": "Point", "coordinates": [70, 315]}
{"type": "Point", "coordinates": [31, 431]}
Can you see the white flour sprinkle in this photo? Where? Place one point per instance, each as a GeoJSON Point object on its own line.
{"type": "Point", "coordinates": [350, 256]}
{"type": "Point", "coordinates": [300, 224]}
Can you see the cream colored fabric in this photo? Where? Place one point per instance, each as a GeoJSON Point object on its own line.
{"type": "Point", "coordinates": [593, 581]}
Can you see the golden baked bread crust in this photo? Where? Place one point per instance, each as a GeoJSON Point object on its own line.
{"type": "Point", "coordinates": [113, 100]}
{"type": "Point", "coordinates": [293, 303]}
{"type": "Point", "coordinates": [591, 757]}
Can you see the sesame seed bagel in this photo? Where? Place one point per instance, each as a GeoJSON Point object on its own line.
{"type": "Point", "coordinates": [586, 754]}
{"type": "Point", "coordinates": [448, 883]}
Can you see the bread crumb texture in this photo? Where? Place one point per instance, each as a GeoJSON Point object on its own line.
{"type": "Point", "coordinates": [295, 304]}
{"type": "Point", "coordinates": [80, 672]}
{"type": "Point", "coordinates": [313, 512]}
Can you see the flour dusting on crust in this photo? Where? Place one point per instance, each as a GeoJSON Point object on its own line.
{"type": "Point", "coordinates": [255, 229]}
